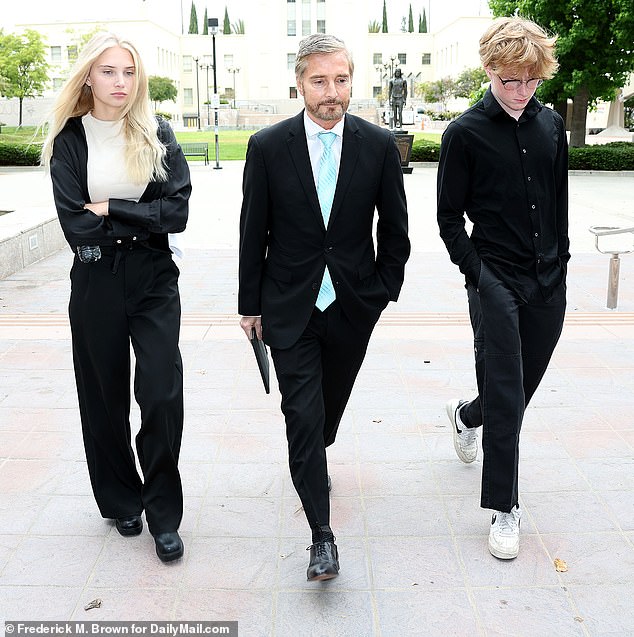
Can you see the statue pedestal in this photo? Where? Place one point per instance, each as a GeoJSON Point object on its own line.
{"type": "Point", "coordinates": [404, 143]}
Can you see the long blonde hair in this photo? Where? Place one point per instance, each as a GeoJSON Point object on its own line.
{"type": "Point", "coordinates": [144, 152]}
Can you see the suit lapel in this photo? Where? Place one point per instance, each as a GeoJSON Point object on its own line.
{"type": "Point", "coordinates": [298, 149]}
{"type": "Point", "coordinates": [349, 156]}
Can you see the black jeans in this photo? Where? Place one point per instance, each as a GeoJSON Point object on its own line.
{"type": "Point", "coordinates": [513, 340]}
{"type": "Point", "coordinates": [315, 377]}
{"type": "Point", "coordinates": [130, 297]}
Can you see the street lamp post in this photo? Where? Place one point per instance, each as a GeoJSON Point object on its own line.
{"type": "Point", "coordinates": [212, 23]}
{"type": "Point", "coordinates": [197, 93]}
{"type": "Point", "coordinates": [233, 70]}
{"type": "Point", "coordinates": [379, 69]}
{"type": "Point", "coordinates": [207, 67]}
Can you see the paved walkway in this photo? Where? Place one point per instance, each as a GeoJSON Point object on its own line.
{"type": "Point", "coordinates": [412, 538]}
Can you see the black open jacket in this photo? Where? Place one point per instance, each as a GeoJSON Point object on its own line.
{"type": "Point", "coordinates": [163, 208]}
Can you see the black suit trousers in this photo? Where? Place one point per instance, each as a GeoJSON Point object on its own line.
{"type": "Point", "coordinates": [130, 297]}
{"type": "Point", "coordinates": [316, 376]}
{"type": "Point", "coordinates": [514, 339]}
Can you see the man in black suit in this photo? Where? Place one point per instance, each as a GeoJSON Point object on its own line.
{"type": "Point", "coordinates": [310, 282]}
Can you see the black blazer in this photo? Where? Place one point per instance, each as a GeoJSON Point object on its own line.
{"type": "Point", "coordinates": [163, 207]}
{"type": "Point", "coordinates": [284, 245]}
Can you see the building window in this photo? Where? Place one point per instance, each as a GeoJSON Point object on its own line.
{"type": "Point", "coordinates": [306, 18]}
{"type": "Point", "coordinates": [187, 63]}
{"type": "Point", "coordinates": [290, 1]}
{"type": "Point", "coordinates": [56, 54]}
{"type": "Point", "coordinates": [188, 96]}
{"type": "Point", "coordinates": [377, 58]}
{"type": "Point", "coordinates": [228, 61]}
{"type": "Point", "coordinates": [71, 51]}
{"type": "Point", "coordinates": [58, 82]}
{"type": "Point", "coordinates": [402, 59]}
{"type": "Point", "coordinates": [292, 92]}
{"type": "Point", "coordinates": [291, 27]}
{"type": "Point", "coordinates": [321, 26]}
{"type": "Point", "coordinates": [426, 58]}
{"type": "Point", "coordinates": [290, 61]}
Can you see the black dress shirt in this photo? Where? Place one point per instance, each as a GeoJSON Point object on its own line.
{"type": "Point", "coordinates": [510, 177]}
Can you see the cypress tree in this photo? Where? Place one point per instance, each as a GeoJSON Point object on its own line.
{"type": "Point", "coordinates": [193, 20]}
{"type": "Point", "coordinates": [226, 26]}
{"type": "Point", "coordinates": [384, 28]}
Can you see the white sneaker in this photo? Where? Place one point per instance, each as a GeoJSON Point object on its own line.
{"type": "Point", "coordinates": [465, 439]}
{"type": "Point", "coordinates": [504, 536]}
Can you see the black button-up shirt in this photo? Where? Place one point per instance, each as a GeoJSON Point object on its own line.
{"type": "Point", "coordinates": [510, 177]}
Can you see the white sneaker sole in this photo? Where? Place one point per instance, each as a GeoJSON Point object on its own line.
{"type": "Point", "coordinates": [503, 553]}
{"type": "Point", "coordinates": [451, 407]}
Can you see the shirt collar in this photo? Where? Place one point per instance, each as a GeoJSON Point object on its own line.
{"type": "Point", "coordinates": [313, 129]}
{"type": "Point", "coordinates": [493, 109]}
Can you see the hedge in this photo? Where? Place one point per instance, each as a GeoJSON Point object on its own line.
{"type": "Point", "coordinates": [425, 150]}
{"type": "Point", "coordinates": [612, 156]}
{"type": "Point", "coordinates": [19, 154]}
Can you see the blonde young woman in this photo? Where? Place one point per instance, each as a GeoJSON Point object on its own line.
{"type": "Point", "coordinates": [121, 185]}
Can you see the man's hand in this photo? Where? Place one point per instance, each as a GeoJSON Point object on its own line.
{"type": "Point", "coordinates": [249, 322]}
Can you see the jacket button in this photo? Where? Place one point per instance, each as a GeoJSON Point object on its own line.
{"type": "Point", "coordinates": [314, 286]}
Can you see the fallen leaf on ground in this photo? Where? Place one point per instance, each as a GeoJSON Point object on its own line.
{"type": "Point", "coordinates": [560, 565]}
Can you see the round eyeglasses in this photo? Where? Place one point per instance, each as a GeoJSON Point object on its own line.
{"type": "Point", "coordinates": [513, 85]}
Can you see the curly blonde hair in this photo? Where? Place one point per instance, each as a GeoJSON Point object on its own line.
{"type": "Point", "coordinates": [513, 44]}
{"type": "Point", "coordinates": [144, 152]}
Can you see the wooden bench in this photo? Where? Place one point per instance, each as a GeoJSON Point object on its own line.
{"type": "Point", "coordinates": [615, 263]}
{"type": "Point", "coordinates": [196, 149]}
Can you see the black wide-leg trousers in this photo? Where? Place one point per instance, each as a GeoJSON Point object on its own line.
{"type": "Point", "coordinates": [316, 376]}
{"type": "Point", "coordinates": [514, 339]}
{"type": "Point", "coordinates": [130, 296]}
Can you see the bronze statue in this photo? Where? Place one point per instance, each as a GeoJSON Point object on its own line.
{"type": "Point", "coordinates": [397, 97]}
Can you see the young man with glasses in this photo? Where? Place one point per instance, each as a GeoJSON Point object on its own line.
{"type": "Point", "coordinates": [504, 164]}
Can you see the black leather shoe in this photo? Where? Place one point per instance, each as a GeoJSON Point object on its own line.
{"type": "Point", "coordinates": [324, 561]}
{"type": "Point", "coordinates": [130, 525]}
{"type": "Point", "coordinates": [329, 484]}
{"type": "Point", "coordinates": [169, 546]}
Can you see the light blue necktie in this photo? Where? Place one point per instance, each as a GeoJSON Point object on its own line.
{"type": "Point", "coordinates": [326, 183]}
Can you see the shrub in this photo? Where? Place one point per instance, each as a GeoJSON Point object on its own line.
{"type": "Point", "coordinates": [612, 156]}
{"type": "Point", "coordinates": [425, 150]}
{"type": "Point", "coordinates": [19, 154]}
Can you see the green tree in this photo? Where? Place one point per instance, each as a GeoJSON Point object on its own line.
{"type": "Point", "coordinates": [161, 89]}
{"type": "Point", "coordinates": [193, 20]}
{"type": "Point", "coordinates": [422, 28]}
{"type": "Point", "coordinates": [205, 25]}
{"type": "Point", "coordinates": [410, 21]}
{"type": "Point", "coordinates": [384, 26]}
{"type": "Point", "coordinates": [470, 81]}
{"type": "Point", "coordinates": [439, 91]}
{"type": "Point", "coordinates": [226, 25]}
{"type": "Point", "coordinates": [594, 51]}
{"type": "Point", "coordinates": [23, 66]}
